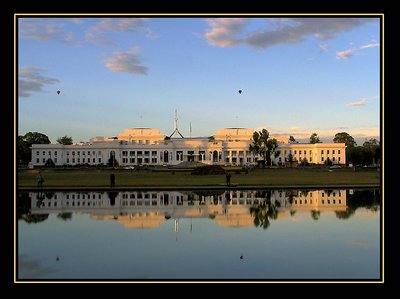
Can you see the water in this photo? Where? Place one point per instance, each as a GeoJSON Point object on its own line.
{"type": "Point", "coordinates": [268, 235]}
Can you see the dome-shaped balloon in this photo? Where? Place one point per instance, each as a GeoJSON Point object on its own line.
{"type": "Point", "coordinates": [58, 92]}
{"type": "Point", "coordinates": [240, 91]}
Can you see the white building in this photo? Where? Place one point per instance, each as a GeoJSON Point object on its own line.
{"type": "Point", "coordinates": [146, 146]}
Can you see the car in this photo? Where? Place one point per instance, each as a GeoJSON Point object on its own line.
{"type": "Point", "coordinates": [129, 167]}
{"type": "Point", "coordinates": [335, 166]}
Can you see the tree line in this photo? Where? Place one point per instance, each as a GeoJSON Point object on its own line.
{"type": "Point", "coordinates": [24, 144]}
{"type": "Point", "coordinates": [367, 154]}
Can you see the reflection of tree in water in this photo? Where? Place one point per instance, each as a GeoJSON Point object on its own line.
{"type": "Point", "coordinates": [264, 211]}
{"type": "Point", "coordinates": [24, 209]}
{"type": "Point", "coordinates": [49, 195]}
{"type": "Point", "coordinates": [65, 216]}
{"type": "Point", "coordinates": [315, 214]}
{"type": "Point", "coordinates": [112, 195]}
{"type": "Point", "coordinates": [369, 199]}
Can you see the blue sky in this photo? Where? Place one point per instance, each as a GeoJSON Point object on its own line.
{"type": "Point", "coordinates": [297, 75]}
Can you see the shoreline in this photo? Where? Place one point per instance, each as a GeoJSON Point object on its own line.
{"type": "Point", "coordinates": [211, 187]}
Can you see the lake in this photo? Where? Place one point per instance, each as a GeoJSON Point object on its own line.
{"type": "Point", "coordinates": [200, 235]}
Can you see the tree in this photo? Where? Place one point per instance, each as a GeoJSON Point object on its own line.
{"type": "Point", "coordinates": [328, 162]}
{"type": "Point", "coordinates": [304, 162]}
{"type": "Point", "coordinates": [264, 146]}
{"type": "Point", "coordinates": [66, 140]}
{"type": "Point", "coordinates": [372, 151]}
{"type": "Point", "coordinates": [314, 138]}
{"type": "Point", "coordinates": [344, 137]}
{"type": "Point", "coordinates": [24, 154]}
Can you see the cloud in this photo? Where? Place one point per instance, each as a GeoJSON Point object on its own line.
{"type": "Point", "coordinates": [372, 45]}
{"type": "Point", "coordinates": [224, 32]}
{"type": "Point", "coordinates": [126, 62]}
{"type": "Point", "coordinates": [122, 24]}
{"type": "Point", "coordinates": [44, 32]}
{"type": "Point", "coordinates": [323, 47]}
{"type": "Point", "coordinates": [100, 32]}
{"type": "Point", "coordinates": [361, 102]}
{"type": "Point", "coordinates": [345, 54]}
{"type": "Point", "coordinates": [76, 21]}
{"type": "Point", "coordinates": [30, 81]}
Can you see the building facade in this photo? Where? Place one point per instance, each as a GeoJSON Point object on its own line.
{"type": "Point", "coordinates": [146, 146]}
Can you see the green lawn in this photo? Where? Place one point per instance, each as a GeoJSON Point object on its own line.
{"type": "Point", "coordinates": [126, 178]}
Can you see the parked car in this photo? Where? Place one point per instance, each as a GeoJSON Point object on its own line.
{"type": "Point", "coordinates": [335, 166]}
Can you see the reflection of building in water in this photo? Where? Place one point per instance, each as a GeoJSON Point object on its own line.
{"type": "Point", "coordinates": [150, 209]}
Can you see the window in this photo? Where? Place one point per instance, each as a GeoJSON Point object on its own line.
{"type": "Point", "coordinates": [310, 159]}
{"type": "Point", "coordinates": [327, 152]}
{"type": "Point", "coordinates": [37, 153]}
{"type": "Point", "coordinates": [140, 153]}
{"type": "Point", "coordinates": [333, 158]}
{"type": "Point", "coordinates": [322, 152]}
{"type": "Point", "coordinates": [83, 160]}
{"type": "Point", "coordinates": [323, 194]}
{"type": "Point", "coordinates": [79, 160]}
{"type": "Point", "coordinates": [94, 153]}
{"type": "Point", "coordinates": [284, 152]}
{"type": "Point", "coordinates": [49, 153]}
{"type": "Point", "coordinates": [99, 153]}
{"type": "Point", "coordinates": [88, 153]}
{"type": "Point", "coordinates": [226, 153]}
{"type": "Point", "coordinates": [338, 159]}
{"type": "Point", "coordinates": [147, 153]}
{"type": "Point", "coordinates": [94, 160]}
{"type": "Point", "coordinates": [147, 141]}
{"type": "Point", "coordinates": [153, 160]}
{"type": "Point", "coordinates": [37, 160]}
{"type": "Point", "coordinates": [73, 160]}
{"type": "Point", "coordinates": [99, 160]}
{"type": "Point", "coordinates": [233, 153]}
{"type": "Point", "coordinates": [131, 153]}
{"type": "Point", "coordinates": [338, 152]}
{"type": "Point", "coordinates": [154, 153]}
{"type": "Point", "coordinates": [44, 160]}
{"type": "Point", "coordinates": [79, 153]}
{"type": "Point", "coordinates": [295, 152]}
{"type": "Point", "coordinates": [139, 160]}
{"type": "Point", "coordinates": [44, 153]}
{"type": "Point", "coordinates": [333, 152]}
{"type": "Point", "coordinates": [146, 160]}
{"type": "Point", "coordinates": [83, 152]}
{"type": "Point", "coordinates": [124, 153]}
{"type": "Point", "coordinates": [322, 158]}
{"type": "Point", "coordinates": [124, 160]}
{"type": "Point", "coordinates": [73, 153]}
{"type": "Point", "coordinates": [67, 160]}
{"type": "Point", "coordinates": [131, 160]}
{"type": "Point", "coordinates": [310, 152]}
{"type": "Point", "coordinates": [305, 152]}
{"type": "Point", "coordinates": [179, 155]}
{"type": "Point", "coordinates": [55, 153]}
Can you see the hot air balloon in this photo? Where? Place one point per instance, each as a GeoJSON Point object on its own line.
{"type": "Point", "coordinates": [240, 91]}
{"type": "Point", "coordinates": [58, 92]}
